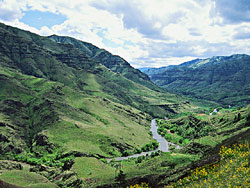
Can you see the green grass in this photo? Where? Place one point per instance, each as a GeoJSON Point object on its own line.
{"type": "Point", "coordinates": [90, 138]}
{"type": "Point", "coordinates": [206, 129]}
{"type": "Point", "coordinates": [182, 130]}
{"type": "Point", "coordinates": [226, 124]}
{"type": "Point", "coordinates": [26, 179]}
{"type": "Point", "coordinates": [94, 120]}
{"type": "Point", "coordinates": [86, 118]}
{"type": "Point", "coordinates": [77, 104]}
{"type": "Point", "coordinates": [210, 140]}
{"type": "Point", "coordinates": [157, 165]}
{"type": "Point", "coordinates": [93, 171]}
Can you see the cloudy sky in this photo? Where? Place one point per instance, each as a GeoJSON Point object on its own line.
{"type": "Point", "coordinates": [147, 33]}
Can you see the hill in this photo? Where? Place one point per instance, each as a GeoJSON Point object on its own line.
{"type": "Point", "coordinates": [65, 110]}
{"type": "Point", "coordinates": [222, 79]}
{"type": "Point", "coordinates": [113, 62]}
{"type": "Point", "coordinates": [201, 137]}
{"type": "Point", "coordinates": [64, 106]}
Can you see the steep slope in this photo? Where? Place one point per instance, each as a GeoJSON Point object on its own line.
{"type": "Point", "coordinates": [221, 79]}
{"type": "Point", "coordinates": [112, 62]}
{"type": "Point", "coordinates": [58, 103]}
{"type": "Point", "coordinates": [41, 57]}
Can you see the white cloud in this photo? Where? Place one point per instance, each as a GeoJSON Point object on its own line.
{"type": "Point", "coordinates": [176, 32]}
{"type": "Point", "coordinates": [9, 11]}
{"type": "Point", "coordinates": [144, 32]}
{"type": "Point", "coordinates": [231, 11]}
{"type": "Point", "coordinates": [45, 31]}
{"type": "Point", "coordinates": [131, 53]}
{"type": "Point", "coordinates": [23, 26]}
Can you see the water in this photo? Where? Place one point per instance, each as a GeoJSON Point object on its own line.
{"type": "Point", "coordinates": [135, 155]}
{"type": "Point", "coordinates": [163, 144]}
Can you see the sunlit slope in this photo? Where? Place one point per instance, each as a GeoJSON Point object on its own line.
{"type": "Point", "coordinates": [64, 63]}
{"type": "Point", "coordinates": [112, 62]}
{"type": "Point", "coordinates": [58, 103]}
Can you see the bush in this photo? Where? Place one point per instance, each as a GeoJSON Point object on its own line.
{"type": "Point", "coordinates": [120, 177]}
{"type": "Point", "coordinates": [142, 185]}
{"type": "Point", "coordinates": [104, 160]}
{"type": "Point", "coordinates": [153, 154]}
{"type": "Point", "coordinates": [126, 153]}
{"type": "Point", "coordinates": [139, 160]}
{"type": "Point", "coordinates": [232, 171]}
{"type": "Point", "coordinates": [137, 150]}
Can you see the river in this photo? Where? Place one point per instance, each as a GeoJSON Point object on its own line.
{"type": "Point", "coordinates": [163, 144]}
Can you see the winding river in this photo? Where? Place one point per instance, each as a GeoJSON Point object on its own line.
{"type": "Point", "coordinates": [163, 144]}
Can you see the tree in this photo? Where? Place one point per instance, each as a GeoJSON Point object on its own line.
{"type": "Point", "coordinates": [120, 177]}
{"type": "Point", "coordinates": [239, 116]}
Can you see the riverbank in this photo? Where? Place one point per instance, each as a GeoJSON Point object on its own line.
{"type": "Point", "coordinates": [163, 144]}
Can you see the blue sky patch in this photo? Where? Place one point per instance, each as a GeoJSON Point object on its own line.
{"type": "Point", "coordinates": [39, 19]}
{"type": "Point", "coordinates": [106, 42]}
{"type": "Point", "coordinates": [110, 43]}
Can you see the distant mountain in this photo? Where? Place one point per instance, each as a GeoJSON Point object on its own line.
{"type": "Point", "coordinates": [153, 71]}
{"type": "Point", "coordinates": [143, 69]}
{"type": "Point", "coordinates": [223, 79]}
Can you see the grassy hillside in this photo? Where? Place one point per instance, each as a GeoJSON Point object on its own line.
{"type": "Point", "coordinates": [113, 62]}
{"type": "Point", "coordinates": [206, 129]}
{"type": "Point", "coordinates": [59, 108]}
{"type": "Point", "coordinates": [232, 167]}
{"type": "Point", "coordinates": [206, 135]}
{"type": "Point", "coordinates": [67, 106]}
{"type": "Point", "coordinates": [231, 171]}
{"type": "Point", "coordinates": [226, 128]}
{"type": "Point", "coordinates": [222, 79]}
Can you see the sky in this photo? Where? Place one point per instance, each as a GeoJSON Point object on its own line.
{"type": "Point", "coordinates": [146, 33]}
